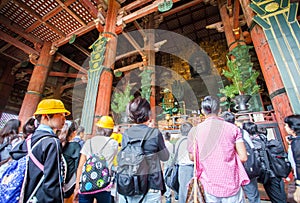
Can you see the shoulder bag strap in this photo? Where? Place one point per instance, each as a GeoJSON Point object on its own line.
{"type": "Point", "coordinates": [105, 144]}
{"type": "Point", "coordinates": [91, 146]}
{"type": "Point", "coordinates": [263, 146]}
{"type": "Point", "coordinates": [176, 153]}
{"type": "Point", "coordinates": [3, 146]}
{"type": "Point", "coordinates": [145, 136]}
{"type": "Point", "coordinates": [29, 149]}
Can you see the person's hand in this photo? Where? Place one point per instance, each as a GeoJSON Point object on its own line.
{"type": "Point", "coordinates": [297, 194]}
{"type": "Point", "coordinates": [76, 195]}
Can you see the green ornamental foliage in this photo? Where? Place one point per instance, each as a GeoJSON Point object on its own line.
{"type": "Point", "coordinates": [146, 83]}
{"type": "Point", "coordinates": [240, 73]}
{"type": "Point", "coordinates": [121, 99]}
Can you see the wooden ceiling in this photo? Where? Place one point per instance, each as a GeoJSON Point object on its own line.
{"type": "Point", "coordinates": [26, 24]}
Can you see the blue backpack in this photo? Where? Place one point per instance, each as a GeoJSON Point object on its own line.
{"type": "Point", "coordinates": [13, 174]}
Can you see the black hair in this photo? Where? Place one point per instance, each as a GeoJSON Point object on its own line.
{"type": "Point", "coordinates": [29, 127]}
{"type": "Point", "coordinates": [250, 127]}
{"type": "Point", "coordinates": [138, 110]}
{"type": "Point", "coordinates": [293, 122]}
{"type": "Point", "coordinates": [210, 105]}
{"type": "Point", "coordinates": [10, 130]}
{"type": "Point", "coordinates": [229, 117]}
{"type": "Point", "coordinates": [185, 128]}
{"type": "Point", "coordinates": [167, 136]}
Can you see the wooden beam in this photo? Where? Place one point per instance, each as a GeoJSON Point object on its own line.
{"type": "Point", "coordinates": [59, 74]}
{"type": "Point", "coordinates": [181, 8]}
{"type": "Point", "coordinates": [38, 17]}
{"type": "Point", "coordinates": [134, 43]}
{"type": "Point", "coordinates": [157, 45]}
{"type": "Point", "coordinates": [81, 31]}
{"type": "Point", "coordinates": [135, 4]}
{"type": "Point", "coordinates": [83, 50]}
{"type": "Point", "coordinates": [9, 45]}
{"type": "Point", "coordinates": [130, 67]}
{"type": "Point", "coordinates": [12, 57]}
{"type": "Point", "coordinates": [70, 85]}
{"type": "Point", "coordinates": [49, 15]}
{"type": "Point", "coordinates": [7, 38]}
{"type": "Point", "coordinates": [141, 12]}
{"type": "Point", "coordinates": [19, 30]}
{"type": "Point", "coordinates": [71, 63]}
{"type": "Point", "coordinates": [71, 12]}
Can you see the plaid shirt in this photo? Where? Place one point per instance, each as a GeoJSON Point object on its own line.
{"type": "Point", "coordinates": [220, 169]}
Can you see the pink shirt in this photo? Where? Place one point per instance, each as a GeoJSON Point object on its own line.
{"type": "Point", "coordinates": [222, 171]}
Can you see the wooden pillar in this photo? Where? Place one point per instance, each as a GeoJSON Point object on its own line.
{"type": "Point", "coordinates": [279, 98]}
{"type": "Point", "coordinates": [106, 79]}
{"type": "Point", "coordinates": [7, 80]}
{"type": "Point", "coordinates": [228, 26]}
{"type": "Point", "coordinates": [150, 58]}
{"type": "Point", "coordinates": [37, 83]}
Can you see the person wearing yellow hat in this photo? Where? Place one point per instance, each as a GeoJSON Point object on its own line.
{"type": "Point", "coordinates": [45, 185]}
{"type": "Point", "coordinates": [108, 147]}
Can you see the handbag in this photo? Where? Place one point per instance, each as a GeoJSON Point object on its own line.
{"type": "Point", "coordinates": [171, 174]}
{"type": "Point", "coordinates": [195, 193]}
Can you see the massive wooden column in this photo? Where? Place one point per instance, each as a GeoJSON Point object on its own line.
{"type": "Point", "coordinates": [37, 83]}
{"type": "Point", "coordinates": [278, 95]}
{"type": "Point", "coordinates": [228, 26]}
{"type": "Point", "coordinates": [150, 53]}
{"type": "Point", "coordinates": [105, 84]}
{"type": "Point", "coordinates": [7, 80]}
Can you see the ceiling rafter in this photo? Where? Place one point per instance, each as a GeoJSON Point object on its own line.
{"type": "Point", "coordinates": [39, 18]}
{"type": "Point", "coordinates": [90, 7]}
{"type": "Point", "coordinates": [28, 50]}
{"type": "Point", "coordinates": [58, 74]}
{"type": "Point", "coordinates": [19, 30]}
{"type": "Point", "coordinates": [141, 12]}
{"type": "Point", "coordinates": [49, 15]}
{"type": "Point", "coordinates": [7, 38]}
{"type": "Point", "coordinates": [135, 4]}
{"type": "Point", "coordinates": [134, 43]}
{"type": "Point", "coordinates": [71, 63]}
{"type": "Point", "coordinates": [71, 12]}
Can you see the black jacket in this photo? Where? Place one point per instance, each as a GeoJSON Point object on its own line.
{"type": "Point", "coordinates": [295, 146]}
{"type": "Point", "coordinates": [48, 152]}
{"type": "Point", "coordinates": [155, 146]}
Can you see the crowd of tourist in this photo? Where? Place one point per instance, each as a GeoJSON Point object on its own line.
{"type": "Point", "coordinates": [59, 151]}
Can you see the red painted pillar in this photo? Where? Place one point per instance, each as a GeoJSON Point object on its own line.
{"type": "Point", "coordinates": [279, 98]}
{"type": "Point", "coordinates": [228, 26]}
{"type": "Point", "coordinates": [37, 83]}
{"type": "Point", "coordinates": [7, 80]}
{"type": "Point", "coordinates": [150, 53]}
{"type": "Point", "coordinates": [106, 79]}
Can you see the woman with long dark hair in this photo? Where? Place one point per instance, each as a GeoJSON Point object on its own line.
{"type": "Point", "coordinates": [9, 136]}
{"type": "Point", "coordinates": [292, 127]}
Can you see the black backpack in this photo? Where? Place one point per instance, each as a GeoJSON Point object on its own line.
{"type": "Point", "coordinates": [253, 163]}
{"type": "Point", "coordinates": [133, 169]}
{"type": "Point", "coordinates": [96, 176]}
{"type": "Point", "coordinates": [279, 163]}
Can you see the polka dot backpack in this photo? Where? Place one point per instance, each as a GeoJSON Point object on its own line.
{"type": "Point", "coordinates": [96, 176]}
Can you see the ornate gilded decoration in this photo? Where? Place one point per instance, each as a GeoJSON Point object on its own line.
{"type": "Point", "coordinates": [94, 73]}
{"type": "Point", "coordinates": [271, 7]}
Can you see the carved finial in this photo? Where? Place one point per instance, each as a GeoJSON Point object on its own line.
{"type": "Point", "coordinates": [53, 50]}
{"type": "Point", "coordinates": [33, 58]}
